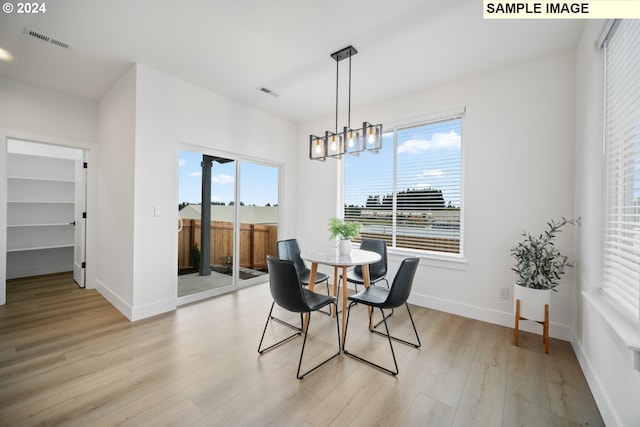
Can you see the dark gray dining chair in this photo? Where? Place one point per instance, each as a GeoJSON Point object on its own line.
{"type": "Point", "coordinates": [290, 249]}
{"type": "Point", "coordinates": [377, 271]}
{"type": "Point", "coordinates": [289, 293]}
{"type": "Point", "coordinates": [379, 297]}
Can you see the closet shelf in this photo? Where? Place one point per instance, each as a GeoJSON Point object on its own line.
{"type": "Point", "coordinates": [33, 178]}
{"type": "Point", "coordinates": [41, 193]}
{"type": "Point", "coordinates": [37, 248]}
{"type": "Point", "coordinates": [43, 201]}
{"type": "Point", "coordinates": [55, 224]}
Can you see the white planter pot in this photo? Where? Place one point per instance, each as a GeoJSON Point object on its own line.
{"type": "Point", "coordinates": [344, 247]}
{"type": "Point", "coordinates": [532, 302]}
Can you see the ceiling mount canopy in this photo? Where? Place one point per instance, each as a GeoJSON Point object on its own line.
{"type": "Point", "coordinates": [348, 141]}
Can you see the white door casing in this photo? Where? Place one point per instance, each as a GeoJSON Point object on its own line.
{"type": "Point", "coordinates": [79, 239]}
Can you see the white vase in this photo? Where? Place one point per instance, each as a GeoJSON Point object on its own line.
{"type": "Point", "coordinates": [532, 302]}
{"type": "Point", "coordinates": [344, 247]}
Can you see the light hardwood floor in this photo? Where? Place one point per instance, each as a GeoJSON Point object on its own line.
{"type": "Point", "coordinates": [68, 357]}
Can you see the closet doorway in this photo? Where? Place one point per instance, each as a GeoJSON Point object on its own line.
{"type": "Point", "coordinates": [228, 223]}
{"type": "Point", "coordinates": [46, 210]}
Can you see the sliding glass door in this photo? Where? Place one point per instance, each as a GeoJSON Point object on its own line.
{"type": "Point", "coordinates": [258, 211]}
{"type": "Point", "coordinates": [222, 242]}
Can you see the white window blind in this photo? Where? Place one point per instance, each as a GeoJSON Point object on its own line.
{"type": "Point", "coordinates": [621, 261]}
{"type": "Point", "coordinates": [410, 194]}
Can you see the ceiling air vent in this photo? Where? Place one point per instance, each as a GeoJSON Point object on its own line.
{"type": "Point", "coordinates": [46, 38]}
{"type": "Point", "coordinates": [268, 91]}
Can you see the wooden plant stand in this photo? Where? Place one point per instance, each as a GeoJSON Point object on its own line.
{"type": "Point", "coordinates": [545, 325]}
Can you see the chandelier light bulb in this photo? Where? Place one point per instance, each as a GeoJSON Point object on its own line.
{"type": "Point", "coordinates": [370, 138]}
{"type": "Point", "coordinates": [351, 139]}
{"type": "Point", "coordinates": [334, 146]}
{"type": "Point", "coordinates": [318, 147]}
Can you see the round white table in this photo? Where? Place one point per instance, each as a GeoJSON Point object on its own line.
{"type": "Point", "coordinates": [330, 256]}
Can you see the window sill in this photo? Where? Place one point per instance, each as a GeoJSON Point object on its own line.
{"type": "Point", "coordinates": [451, 262]}
{"type": "Point", "coordinates": [624, 327]}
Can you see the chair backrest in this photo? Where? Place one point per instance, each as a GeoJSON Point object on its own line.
{"type": "Point", "coordinates": [285, 285]}
{"type": "Point", "coordinates": [378, 269]}
{"type": "Point", "coordinates": [290, 250]}
{"type": "Point", "coordinates": [402, 283]}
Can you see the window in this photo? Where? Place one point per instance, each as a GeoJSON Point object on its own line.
{"type": "Point", "coordinates": [410, 193]}
{"type": "Point", "coordinates": [622, 166]}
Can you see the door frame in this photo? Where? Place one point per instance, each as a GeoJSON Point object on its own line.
{"type": "Point", "coordinates": [80, 221]}
{"type": "Point", "coordinates": [238, 159]}
{"type": "Point", "coordinates": [91, 154]}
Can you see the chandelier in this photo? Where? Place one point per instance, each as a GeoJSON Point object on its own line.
{"type": "Point", "coordinates": [349, 141]}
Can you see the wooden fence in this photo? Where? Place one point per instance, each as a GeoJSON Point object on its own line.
{"type": "Point", "coordinates": [256, 242]}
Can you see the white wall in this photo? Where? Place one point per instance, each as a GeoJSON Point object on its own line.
{"type": "Point", "coordinates": [169, 114]}
{"type": "Point", "coordinates": [39, 111]}
{"type": "Point", "coordinates": [116, 135]}
{"type": "Point", "coordinates": [603, 355]}
{"type": "Point", "coordinates": [31, 113]}
{"type": "Point", "coordinates": [518, 142]}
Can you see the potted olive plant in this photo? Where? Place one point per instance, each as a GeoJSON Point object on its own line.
{"type": "Point", "coordinates": [539, 266]}
{"type": "Point", "coordinates": [344, 231]}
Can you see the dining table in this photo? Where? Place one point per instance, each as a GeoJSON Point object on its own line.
{"type": "Point", "coordinates": [340, 264]}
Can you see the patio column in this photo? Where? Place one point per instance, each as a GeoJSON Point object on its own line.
{"type": "Point", "coordinates": [205, 217]}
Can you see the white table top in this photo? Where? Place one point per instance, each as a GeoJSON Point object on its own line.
{"type": "Point", "coordinates": [330, 256]}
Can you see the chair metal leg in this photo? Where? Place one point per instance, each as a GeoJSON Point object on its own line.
{"type": "Point", "coordinates": [282, 322]}
{"type": "Point", "coordinates": [304, 342]}
{"type": "Point", "coordinates": [375, 365]}
{"type": "Point", "coordinates": [328, 293]}
{"type": "Point", "coordinates": [392, 311]}
{"type": "Point", "coordinates": [270, 317]}
{"type": "Point", "coordinates": [380, 321]}
{"type": "Point", "coordinates": [416, 345]}
{"type": "Point", "coordinates": [298, 332]}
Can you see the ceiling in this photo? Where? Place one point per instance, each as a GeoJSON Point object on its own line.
{"type": "Point", "coordinates": [233, 47]}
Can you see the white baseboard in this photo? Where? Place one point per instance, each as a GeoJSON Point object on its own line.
{"type": "Point", "coordinates": [556, 330]}
{"type": "Point", "coordinates": [603, 402]}
{"type": "Point", "coordinates": [134, 313]}
{"type": "Point", "coordinates": [114, 299]}
{"type": "Point", "coordinates": [149, 310]}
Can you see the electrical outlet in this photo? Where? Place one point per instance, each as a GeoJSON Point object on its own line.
{"type": "Point", "coordinates": [503, 292]}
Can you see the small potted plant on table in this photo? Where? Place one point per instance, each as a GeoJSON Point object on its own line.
{"type": "Point", "coordinates": [344, 231]}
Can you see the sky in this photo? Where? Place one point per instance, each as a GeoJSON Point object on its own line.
{"type": "Point", "coordinates": [428, 157]}
{"type": "Point", "coordinates": [258, 183]}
